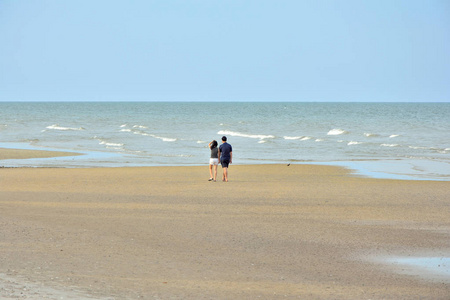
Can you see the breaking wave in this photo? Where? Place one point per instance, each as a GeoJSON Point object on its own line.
{"type": "Point", "coordinates": [302, 138]}
{"type": "Point", "coordinates": [57, 127]}
{"type": "Point", "coordinates": [336, 132]}
{"type": "Point", "coordinates": [371, 134]}
{"type": "Point", "coordinates": [252, 136]}
{"type": "Point", "coordinates": [135, 130]}
{"type": "Point", "coordinates": [111, 144]}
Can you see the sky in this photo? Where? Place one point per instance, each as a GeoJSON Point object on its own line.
{"type": "Point", "coordinates": [225, 50]}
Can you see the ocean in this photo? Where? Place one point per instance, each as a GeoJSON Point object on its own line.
{"type": "Point", "coordinates": [382, 140]}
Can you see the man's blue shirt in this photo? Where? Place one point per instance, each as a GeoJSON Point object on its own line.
{"type": "Point", "coordinates": [225, 150]}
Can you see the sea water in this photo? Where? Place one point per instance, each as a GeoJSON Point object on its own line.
{"type": "Point", "coordinates": [384, 140]}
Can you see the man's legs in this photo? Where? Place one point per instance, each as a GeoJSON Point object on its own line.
{"type": "Point", "coordinates": [225, 174]}
{"type": "Point", "coordinates": [225, 163]}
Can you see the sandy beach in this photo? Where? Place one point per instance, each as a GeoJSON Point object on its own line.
{"type": "Point", "coordinates": [6, 153]}
{"type": "Point", "coordinates": [272, 232]}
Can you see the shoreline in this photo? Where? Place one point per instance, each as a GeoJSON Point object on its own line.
{"type": "Point", "coordinates": [400, 169]}
{"type": "Point", "coordinates": [13, 153]}
{"type": "Point", "coordinates": [273, 231]}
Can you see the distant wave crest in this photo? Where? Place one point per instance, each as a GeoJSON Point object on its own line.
{"type": "Point", "coordinates": [57, 127]}
{"type": "Point", "coordinates": [135, 130]}
{"type": "Point", "coordinates": [252, 136]}
{"type": "Point", "coordinates": [336, 132]}
{"type": "Point", "coordinates": [302, 138]}
{"type": "Point", "coordinates": [371, 134]}
{"type": "Point", "coordinates": [111, 144]}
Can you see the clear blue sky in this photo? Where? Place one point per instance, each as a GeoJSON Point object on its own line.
{"type": "Point", "coordinates": [225, 50]}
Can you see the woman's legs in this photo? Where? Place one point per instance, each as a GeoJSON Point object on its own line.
{"type": "Point", "coordinates": [210, 171]}
{"type": "Point", "coordinates": [215, 172]}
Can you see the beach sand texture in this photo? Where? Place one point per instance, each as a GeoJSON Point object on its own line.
{"type": "Point", "coordinates": [6, 153]}
{"type": "Point", "coordinates": [272, 232]}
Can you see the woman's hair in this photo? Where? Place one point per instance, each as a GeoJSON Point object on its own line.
{"type": "Point", "coordinates": [213, 144]}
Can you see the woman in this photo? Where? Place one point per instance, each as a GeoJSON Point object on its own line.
{"type": "Point", "coordinates": [214, 160]}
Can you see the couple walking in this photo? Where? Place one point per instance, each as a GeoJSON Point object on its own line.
{"type": "Point", "coordinates": [225, 154]}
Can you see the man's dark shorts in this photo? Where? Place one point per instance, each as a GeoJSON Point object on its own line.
{"type": "Point", "coordinates": [225, 163]}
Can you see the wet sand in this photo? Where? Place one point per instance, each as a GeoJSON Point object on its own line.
{"type": "Point", "coordinates": [272, 232]}
{"type": "Point", "coordinates": [7, 153]}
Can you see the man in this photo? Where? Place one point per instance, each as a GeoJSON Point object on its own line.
{"type": "Point", "coordinates": [226, 157]}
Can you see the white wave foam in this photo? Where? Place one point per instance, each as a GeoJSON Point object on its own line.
{"type": "Point", "coordinates": [353, 143]}
{"type": "Point", "coordinates": [176, 155]}
{"type": "Point", "coordinates": [389, 145]}
{"type": "Point", "coordinates": [336, 132]}
{"type": "Point", "coordinates": [371, 134]}
{"type": "Point", "coordinates": [123, 125]}
{"type": "Point", "coordinates": [418, 147]}
{"type": "Point", "coordinates": [393, 136]}
{"type": "Point", "coordinates": [140, 126]}
{"type": "Point", "coordinates": [167, 139]}
{"type": "Point", "coordinates": [252, 136]}
{"type": "Point", "coordinates": [111, 144]}
{"type": "Point", "coordinates": [141, 133]}
{"type": "Point", "coordinates": [292, 137]}
{"type": "Point", "coordinates": [57, 127]}
{"type": "Point", "coordinates": [319, 140]}
{"type": "Point", "coordinates": [164, 139]}
{"type": "Point", "coordinates": [302, 138]}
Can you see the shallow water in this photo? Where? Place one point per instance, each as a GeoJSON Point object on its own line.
{"type": "Point", "coordinates": [383, 140]}
{"type": "Point", "coordinates": [430, 268]}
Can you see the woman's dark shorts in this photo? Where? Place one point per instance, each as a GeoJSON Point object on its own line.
{"type": "Point", "coordinates": [225, 163]}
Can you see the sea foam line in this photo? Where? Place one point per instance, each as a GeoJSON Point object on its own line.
{"type": "Point", "coordinates": [164, 139]}
{"type": "Point", "coordinates": [111, 144]}
{"type": "Point", "coordinates": [337, 131]}
{"type": "Point", "coordinates": [371, 134]}
{"type": "Point", "coordinates": [353, 143]}
{"type": "Point", "coordinates": [57, 127]}
{"type": "Point", "coordinates": [302, 138]}
{"type": "Point", "coordinates": [252, 136]}
{"type": "Point", "coordinates": [143, 133]}
{"type": "Point", "coordinates": [140, 126]}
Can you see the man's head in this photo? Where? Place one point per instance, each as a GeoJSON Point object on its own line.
{"type": "Point", "coordinates": [224, 139]}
